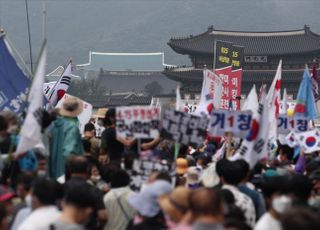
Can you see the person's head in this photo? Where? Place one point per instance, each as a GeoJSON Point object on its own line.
{"type": "Point", "coordinates": [176, 204]}
{"type": "Point", "coordinates": [285, 153]}
{"type": "Point", "coordinates": [146, 201]}
{"type": "Point", "coordinates": [77, 166]}
{"type": "Point", "coordinates": [110, 117]}
{"type": "Point", "coordinates": [86, 146]}
{"type": "Point", "coordinates": [300, 219]}
{"type": "Point", "coordinates": [193, 180]}
{"type": "Point", "coordinates": [79, 201]}
{"type": "Point", "coordinates": [3, 128]}
{"type": "Point", "coordinates": [276, 193]}
{"type": "Point", "coordinates": [120, 178]}
{"type": "Point", "coordinates": [11, 119]}
{"type": "Point", "coordinates": [89, 130]}
{"type": "Point", "coordinates": [206, 202]}
{"type": "Point", "coordinates": [71, 107]}
{"type": "Point", "coordinates": [300, 188]}
{"type": "Point", "coordinates": [44, 192]}
{"type": "Point", "coordinates": [245, 169]}
{"type": "Point", "coordinates": [230, 172]}
{"type": "Point", "coordinates": [24, 182]}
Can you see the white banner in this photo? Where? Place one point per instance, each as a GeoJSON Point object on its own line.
{"type": "Point", "coordinates": [237, 122]}
{"type": "Point", "coordinates": [137, 121]}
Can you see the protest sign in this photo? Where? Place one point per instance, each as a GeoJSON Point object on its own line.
{"type": "Point", "coordinates": [287, 124]}
{"type": "Point", "coordinates": [143, 168]}
{"type": "Point", "coordinates": [184, 128]}
{"type": "Point", "coordinates": [235, 78]}
{"type": "Point", "coordinates": [223, 67]}
{"type": "Point", "coordinates": [84, 116]}
{"type": "Point", "coordinates": [137, 121]}
{"type": "Point", "coordinates": [237, 122]}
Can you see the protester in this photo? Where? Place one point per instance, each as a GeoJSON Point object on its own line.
{"type": "Point", "coordinates": [276, 193]}
{"type": "Point", "coordinates": [78, 203]}
{"type": "Point", "coordinates": [111, 145]}
{"type": "Point", "coordinates": [300, 219]}
{"type": "Point", "coordinates": [45, 194]}
{"type": "Point", "coordinates": [230, 174]}
{"type": "Point", "coordinates": [207, 209]}
{"type": "Point", "coordinates": [65, 136]}
{"type": "Point", "coordinates": [175, 205]}
{"type": "Point", "coordinates": [118, 209]}
{"type": "Point", "coordinates": [89, 134]}
{"type": "Point", "coordinates": [78, 171]}
{"type": "Point", "coordinates": [146, 204]}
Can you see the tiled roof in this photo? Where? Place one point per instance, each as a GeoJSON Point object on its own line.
{"type": "Point", "coordinates": [290, 78]}
{"type": "Point", "coordinates": [127, 100]}
{"type": "Point", "coordinates": [255, 43]}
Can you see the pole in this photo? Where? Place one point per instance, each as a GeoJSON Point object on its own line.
{"type": "Point", "coordinates": [44, 20]}
{"type": "Point", "coordinates": [29, 36]}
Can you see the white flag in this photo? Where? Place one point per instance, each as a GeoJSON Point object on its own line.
{"type": "Point", "coordinates": [211, 92]}
{"type": "Point", "coordinates": [61, 86]}
{"type": "Point", "coordinates": [255, 146]}
{"type": "Point", "coordinates": [30, 134]}
{"type": "Point", "coordinates": [251, 103]}
{"type": "Point", "coordinates": [283, 110]}
{"type": "Point", "coordinates": [178, 98]}
{"type": "Point", "coordinates": [273, 99]}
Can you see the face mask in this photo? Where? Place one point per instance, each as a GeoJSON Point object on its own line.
{"type": "Point", "coordinates": [314, 202]}
{"type": "Point", "coordinates": [95, 178]}
{"type": "Point", "coordinates": [41, 173]}
{"type": "Point", "coordinates": [281, 203]}
{"type": "Point", "coordinates": [28, 200]}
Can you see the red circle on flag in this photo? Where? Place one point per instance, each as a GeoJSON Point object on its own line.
{"type": "Point", "coordinates": [310, 141]}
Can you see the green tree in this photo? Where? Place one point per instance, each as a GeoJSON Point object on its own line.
{"type": "Point", "coordinates": [153, 88]}
{"type": "Point", "coordinates": [87, 89]}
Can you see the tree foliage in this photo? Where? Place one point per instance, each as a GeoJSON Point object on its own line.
{"type": "Point", "coordinates": [153, 88]}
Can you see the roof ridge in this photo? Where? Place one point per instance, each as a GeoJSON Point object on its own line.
{"type": "Point", "coordinates": [259, 33]}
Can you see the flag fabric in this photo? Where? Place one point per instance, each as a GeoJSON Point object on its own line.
{"type": "Point", "coordinates": [273, 100]}
{"type": "Point", "coordinates": [283, 110]}
{"type": "Point", "coordinates": [309, 141]}
{"type": "Point", "coordinates": [305, 102]}
{"type": "Point", "coordinates": [14, 84]}
{"type": "Point", "coordinates": [315, 85]}
{"type": "Point", "coordinates": [251, 103]}
{"type": "Point", "coordinates": [255, 146]}
{"type": "Point", "coordinates": [211, 93]}
{"type": "Point", "coordinates": [61, 86]}
{"type": "Point", "coordinates": [178, 98]}
{"type": "Point", "coordinates": [30, 134]}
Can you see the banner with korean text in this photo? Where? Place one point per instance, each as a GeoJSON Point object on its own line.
{"type": "Point", "coordinates": [184, 128]}
{"type": "Point", "coordinates": [235, 77]}
{"type": "Point", "coordinates": [138, 121]}
{"type": "Point", "coordinates": [223, 67]}
{"type": "Point", "coordinates": [237, 122]}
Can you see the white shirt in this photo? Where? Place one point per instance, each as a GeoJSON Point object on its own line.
{"type": "Point", "coordinates": [244, 202]}
{"type": "Point", "coordinates": [40, 218]}
{"type": "Point", "coordinates": [117, 219]}
{"type": "Point", "coordinates": [266, 222]}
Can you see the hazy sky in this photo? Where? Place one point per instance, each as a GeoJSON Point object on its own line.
{"type": "Point", "coordinates": [74, 27]}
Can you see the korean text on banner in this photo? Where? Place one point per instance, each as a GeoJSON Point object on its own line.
{"type": "Point", "coordinates": [223, 68]}
{"type": "Point", "coordinates": [137, 121]}
{"type": "Point", "coordinates": [184, 128]}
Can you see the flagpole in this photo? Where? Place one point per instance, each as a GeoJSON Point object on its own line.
{"type": "Point", "coordinates": [29, 35]}
{"type": "Point", "coordinates": [44, 20]}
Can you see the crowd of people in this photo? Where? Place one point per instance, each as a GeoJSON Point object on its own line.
{"type": "Point", "coordinates": [73, 181]}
